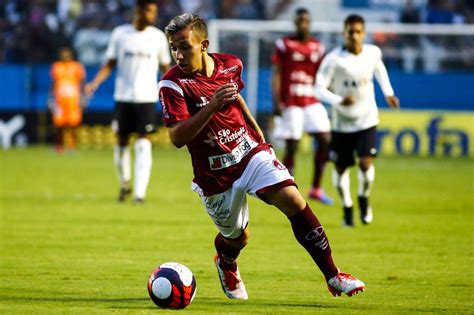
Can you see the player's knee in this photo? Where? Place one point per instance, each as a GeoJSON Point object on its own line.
{"type": "Point", "coordinates": [365, 163]}
{"type": "Point", "coordinates": [241, 241]}
{"type": "Point", "coordinates": [244, 238]}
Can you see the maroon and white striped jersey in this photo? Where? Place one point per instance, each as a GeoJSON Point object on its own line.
{"type": "Point", "coordinates": [299, 62]}
{"type": "Point", "coordinates": [221, 151]}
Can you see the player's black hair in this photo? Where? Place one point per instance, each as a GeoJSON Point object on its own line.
{"type": "Point", "coordinates": [354, 18]}
{"type": "Point", "coordinates": [142, 3]}
{"type": "Point", "coordinates": [180, 22]}
{"type": "Point", "coordinates": [301, 11]}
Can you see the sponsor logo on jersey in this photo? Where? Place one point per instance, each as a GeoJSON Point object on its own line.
{"type": "Point", "coordinates": [218, 162]}
{"type": "Point", "coordinates": [227, 70]}
{"type": "Point", "coordinates": [139, 54]}
{"type": "Point", "coordinates": [297, 56]}
{"type": "Point", "coordinates": [186, 80]}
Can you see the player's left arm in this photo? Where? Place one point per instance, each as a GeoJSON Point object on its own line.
{"type": "Point", "coordinates": [248, 116]}
{"type": "Point", "coordinates": [381, 75]}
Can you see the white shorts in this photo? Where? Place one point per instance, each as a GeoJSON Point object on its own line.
{"type": "Point", "coordinates": [296, 120]}
{"type": "Point", "coordinates": [229, 209]}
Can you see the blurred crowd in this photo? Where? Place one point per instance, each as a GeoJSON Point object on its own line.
{"type": "Point", "coordinates": [32, 31]}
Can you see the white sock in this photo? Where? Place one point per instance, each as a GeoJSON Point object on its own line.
{"type": "Point", "coordinates": [122, 163]}
{"type": "Point", "coordinates": [343, 184]}
{"type": "Point", "coordinates": [366, 180]}
{"type": "Point", "coordinates": [143, 163]}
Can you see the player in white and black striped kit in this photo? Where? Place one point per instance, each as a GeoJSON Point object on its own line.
{"type": "Point", "coordinates": [137, 50]}
{"type": "Point", "coordinates": [345, 80]}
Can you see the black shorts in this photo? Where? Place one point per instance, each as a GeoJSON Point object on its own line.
{"type": "Point", "coordinates": [134, 117]}
{"type": "Point", "coordinates": [344, 146]}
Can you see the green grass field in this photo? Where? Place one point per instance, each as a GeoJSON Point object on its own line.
{"type": "Point", "coordinates": [68, 247]}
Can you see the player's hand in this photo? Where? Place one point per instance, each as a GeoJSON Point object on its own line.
{"type": "Point", "coordinates": [223, 95]}
{"type": "Point", "coordinates": [348, 101]}
{"type": "Point", "coordinates": [393, 101]}
{"type": "Point", "coordinates": [90, 88]}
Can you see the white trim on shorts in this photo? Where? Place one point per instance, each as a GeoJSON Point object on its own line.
{"type": "Point", "coordinates": [296, 120]}
{"type": "Point", "coordinates": [229, 209]}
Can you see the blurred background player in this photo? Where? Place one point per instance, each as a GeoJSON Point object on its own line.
{"type": "Point", "coordinates": [345, 80]}
{"type": "Point", "coordinates": [202, 109]}
{"type": "Point", "coordinates": [65, 99]}
{"type": "Point", "coordinates": [137, 50]}
{"type": "Point", "coordinates": [296, 59]}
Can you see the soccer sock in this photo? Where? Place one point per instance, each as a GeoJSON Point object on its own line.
{"type": "Point", "coordinates": [310, 234]}
{"type": "Point", "coordinates": [343, 183]}
{"type": "Point", "coordinates": [122, 163]}
{"type": "Point", "coordinates": [366, 180]}
{"type": "Point", "coordinates": [320, 158]}
{"type": "Point", "coordinates": [227, 254]}
{"type": "Point", "coordinates": [143, 163]}
{"type": "Point", "coordinates": [289, 162]}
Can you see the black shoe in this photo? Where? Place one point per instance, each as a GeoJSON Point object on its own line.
{"type": "Point", "coordinates": [348, 217]}
{"type": "Point", "coordinates": [366, 215]}
{"type": "Point", "coordinates": [138, 201]}
{"type": "Point", "coordinates": [124, 193]}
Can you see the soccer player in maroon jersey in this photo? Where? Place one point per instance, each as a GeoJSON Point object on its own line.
{"type": "Point", "coordinates": [202, 109]}
{"type": "Point", "coordinates": [296, 59]}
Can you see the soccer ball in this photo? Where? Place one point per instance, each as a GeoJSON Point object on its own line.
{"type": "Point", "coordinates": [172, 285]}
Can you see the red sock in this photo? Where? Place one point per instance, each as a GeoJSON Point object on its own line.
{"type": "Point", "coordinates": [226, 253]}
{"type": "Point", "coordinates": [310, 234]}
{"type": "Point", "coordinates": [320, 158]}
{"type": "Point", "coordinates": [289, 163]}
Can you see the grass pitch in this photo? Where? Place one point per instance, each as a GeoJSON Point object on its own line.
{"type": "Point", "coordinates": [67, 246]}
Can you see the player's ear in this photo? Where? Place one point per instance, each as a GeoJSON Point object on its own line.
{"type": "Point", "coordinates": [204, 45]}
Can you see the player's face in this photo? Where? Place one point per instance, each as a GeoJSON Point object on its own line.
{"type": "Point", "coordinates": [303, 23]}
{"type": "Point", "coordinates": [147, 14]}
{"type": "Point", "coordinates": [65, 54]}
{"type": "Point", "coordinates": [354, 35]}
{"type": "Point", "coordinates": [187, 49]}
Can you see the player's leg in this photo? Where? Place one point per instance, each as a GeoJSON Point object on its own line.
{"type": "Point", "coordinates": [74, 118]}
{"type": "Point", "coordinates": [143, 149]}
{"type": "Point", "coordinates": [291, 130]}
{"type": "Point", "coordinates": [320, 159]}
{"type": "Point", "coordinates": [58, 122]}
{"type": "Point", "coordinates": [269, 180]}
{"type": "Point", "coordinates": [291, 147]}
{"type": "Point", "coordinates": [310, 234]}
{"type": "Point", "coordinates": [342, 154]}
{"type": "Point", "coordinates": [366, 151]}
{"type": "Point", "coordinates": [229, 212]}
{"type": "Point", "coordinates": [122, 158]}
{"type": "Point", "coordinates": [317, 124]}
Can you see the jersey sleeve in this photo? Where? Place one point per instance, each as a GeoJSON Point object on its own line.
{"type": "Point", "coordinates": [164, 57]}
{"type": "Point", "coordinates": [324, 78]}
{"type": "Point", "coordinates": [112, 47]}
{"type": "Point", "coordinates": [278, 52]}
{"type": "Point", "coordinates": [172, 102]}
{"type": "Point", "coordinates": [381, 75]}
{"type": "Point", "coordinates": [238, 78]}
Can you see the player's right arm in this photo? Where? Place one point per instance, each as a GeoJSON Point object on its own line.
{"type": "Point", "coordinates": [111, 55]}
{"type": "Point", "coordinates": [324, 78]}
{"type": "Point", "coordinates": [184, 131]}
{"type": "Point", "coordinates": [100, 77]}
